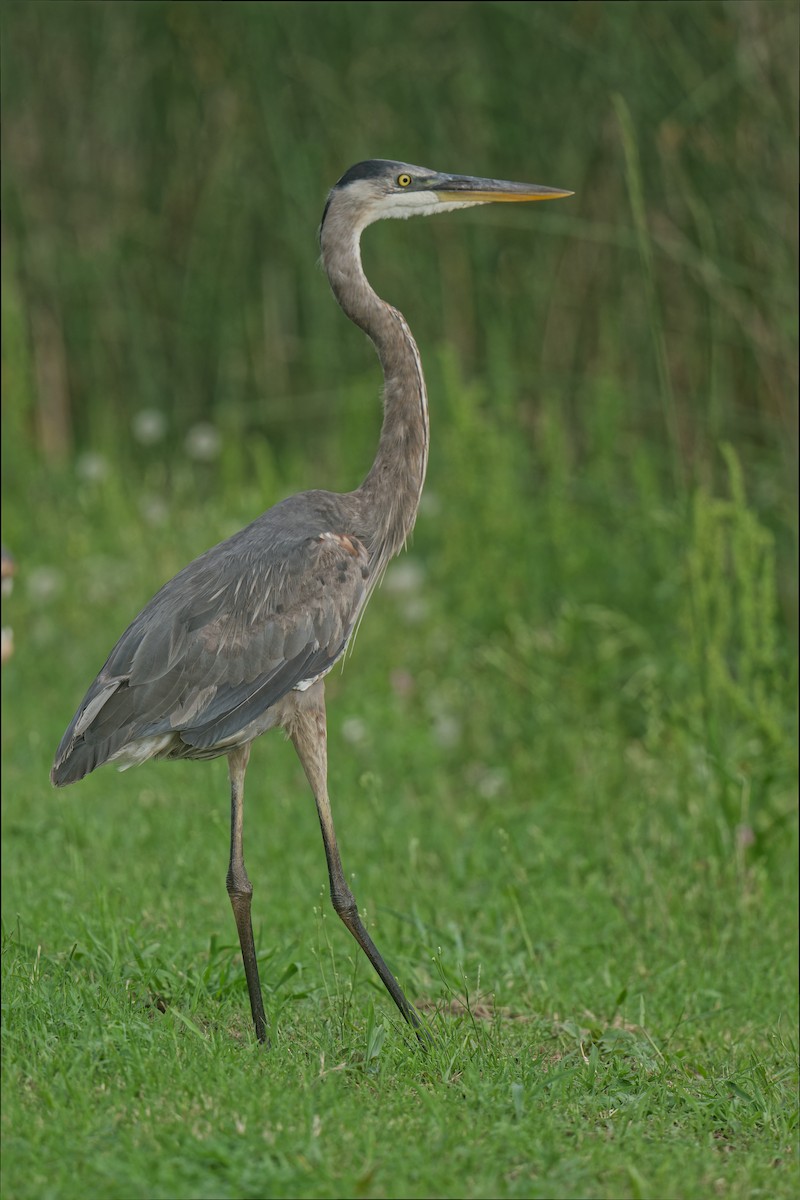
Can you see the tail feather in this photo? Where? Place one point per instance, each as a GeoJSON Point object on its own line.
{"type": "Point", "coordinates": [80, 750]}
{"type": "Point", "coordinates": [80, 757]}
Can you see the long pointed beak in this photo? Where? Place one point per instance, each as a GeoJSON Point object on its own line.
{"type": "Point", "coordinates": [465, 187]}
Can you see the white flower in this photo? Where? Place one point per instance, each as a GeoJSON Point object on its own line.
{"type": "Point", "coordinates": [354, 731]}
{"type": "Point", "coordinates": [446, 730]}
{"type": "Point", "coordinates": [153, 509]}
{"type": "Point", "coordinates": [149, 426]}
{"type": "Point", "coordinates": [91, 468]}
{"type": "Point", "coordinates": [203, 442]}
{"type": "Point", "coordinates": [44, 583]}
{"type": "Point", "coordinates": [404, 577]}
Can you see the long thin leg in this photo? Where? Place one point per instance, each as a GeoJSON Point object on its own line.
{"type": "Point", "coordinates": [240, 889]}
{"type": "Point", "coordinates": [308, 732]}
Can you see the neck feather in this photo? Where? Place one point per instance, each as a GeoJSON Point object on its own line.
{"type": "Point", "coordinates": [389, 496]}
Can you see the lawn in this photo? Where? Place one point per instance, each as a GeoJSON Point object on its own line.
{"type": "Point", "coordinates": [572, 835]}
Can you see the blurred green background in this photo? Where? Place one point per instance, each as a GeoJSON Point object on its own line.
{"type": "Point", "coordinates": [166, 165]}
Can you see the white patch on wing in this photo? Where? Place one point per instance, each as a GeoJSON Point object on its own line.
{"type": "Point", "coordinates": [93, 707]}
{"type": "Point", "coordinates": [141, 750]}
{"type": "Point", "coordinates": [305, 684]}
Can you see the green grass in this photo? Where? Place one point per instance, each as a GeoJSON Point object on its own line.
{"type": "Point", "coordinates": [566, 798]}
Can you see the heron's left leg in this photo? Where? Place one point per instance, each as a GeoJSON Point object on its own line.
{"type": "Point", "coordinates": [240, 889]}
{"type": "Point", "coordinates": [308, 732]}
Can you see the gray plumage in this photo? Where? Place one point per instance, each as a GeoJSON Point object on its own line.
{"type": "Point", "coordinates": [266, 611]}
{"type": "Point", "coordinates": [240, 640]}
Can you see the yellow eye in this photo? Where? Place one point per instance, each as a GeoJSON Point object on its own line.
{"type": "Point", "coordinates": [403, 180]}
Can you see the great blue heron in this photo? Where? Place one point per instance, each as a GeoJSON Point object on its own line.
{"type": "Point", "coordinates": [240, 640]}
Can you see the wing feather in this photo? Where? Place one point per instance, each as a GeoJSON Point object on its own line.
{"type": "Point", "coordinates": [223, 641]}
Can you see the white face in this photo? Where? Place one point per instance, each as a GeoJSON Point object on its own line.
{"type": "Point", "coordinates": [370, 198]}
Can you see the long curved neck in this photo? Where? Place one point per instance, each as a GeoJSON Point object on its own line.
{"type": "Point", "coordinates": [389, 496]}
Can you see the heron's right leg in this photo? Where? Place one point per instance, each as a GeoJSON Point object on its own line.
{"type": "Point", "coordinates": [240, 889]}
{"type": "Point", "coordinates": [309, 734]}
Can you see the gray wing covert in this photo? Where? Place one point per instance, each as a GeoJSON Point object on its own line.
{"type": "Point", "coordinates": [218, 645]}
{"type": "Point", "coordinates": [242, 662]}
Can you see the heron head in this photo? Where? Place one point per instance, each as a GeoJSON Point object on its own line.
{"type": "Point", "coordinates": [379, 188]}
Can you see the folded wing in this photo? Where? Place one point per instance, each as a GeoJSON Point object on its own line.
{"type": "Point", "coordinates": [224, 640]}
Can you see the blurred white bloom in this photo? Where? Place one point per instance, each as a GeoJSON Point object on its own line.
{"type": "Point", "coordinates": [447, 730]}
{"type": "Point", "coordinates": [488, 782]}
{"type": "Point", "coordinates": [91, 468]}
{"type": "Point", "coordinates": [203, 442]}
{"type": "Point", "coordinates": [154, 510]}
{"type": "Point", "coordinates": [415, 610]}
{"type": "Point", "coordinates": [149, 426]}
{"type": "Point", "coordinates": [44, 583]}
{"type": "Point", "coordinates": [406, 580]}
{"type": "Point", "coordinates": [430, 505]}
{"type": "Point", "coordinates": [354, 731]}
{"type": "Point", "coordinates": [404, 576]}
